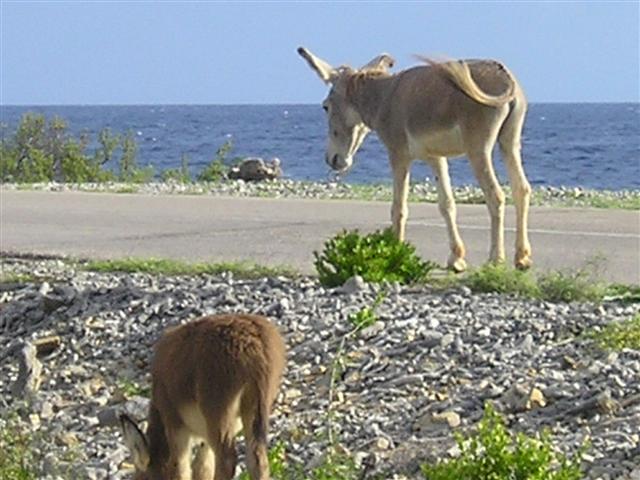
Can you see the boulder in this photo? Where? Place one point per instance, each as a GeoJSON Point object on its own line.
{"type": "Point", "coordinates": [255, 169]}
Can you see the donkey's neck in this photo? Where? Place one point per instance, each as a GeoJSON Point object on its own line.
{"type": "Point", "coordinates": [368, 96]}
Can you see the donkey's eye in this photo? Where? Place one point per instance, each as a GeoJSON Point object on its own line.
{"type": "Point", "coordinates": [325, 108]}
{"type": "Point", "coordinates": [335, 133]}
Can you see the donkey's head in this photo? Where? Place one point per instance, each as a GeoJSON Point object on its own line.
{"type": "Point", "coordinates": [138, 445]}
{"type": "Point", "coordinates": [347, 130]}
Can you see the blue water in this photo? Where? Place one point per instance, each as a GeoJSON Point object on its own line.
{"type": "Point", "coordinates": [586, 145]}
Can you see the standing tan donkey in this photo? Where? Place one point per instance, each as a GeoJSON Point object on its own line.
{"type": "Point", "coordinates": [433, 112]}
{"type": "Point", "coordinates": [211, 378]}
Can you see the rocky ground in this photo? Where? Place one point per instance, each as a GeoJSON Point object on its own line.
{"type": "Point", "coordinates": [335, 189]}
{"type": "Point", "coordinates": [422, 371]}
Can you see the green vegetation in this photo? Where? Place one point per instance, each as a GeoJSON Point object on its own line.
{"type": "Point", "coordinates": [335, 466]}
{"type": "Point", "coordinates": [217, 169]}
{"type": "Point", "coordinates": [130, 388]}
{"type": "Point", "coordinates": [492, 452]}
{"type": "Point", "coordinates": [580, 285]}
{"type": "Point", "coordinates": [180, 175]}
{"type": "Point", "coordinates": [500, 278]}
{"type": "Point", "coordinates": [618, 335]}
{"type": "Point", "coordinates": [176, 267]}
{"type": "Point", "coordinates": [555, 286]}
{"type": "Point", "coordinates": [622, 293]}
{"type": "Point", "coordinates": [367, 316]}
{"type": "Point", "coordinates": [6, 278]}
{"type": "Point", "coordinates": [16, 452]}
{"type": "Point", "coordinates": [42, 150]}
{"type": "Point", "coordinates": [377, 257]}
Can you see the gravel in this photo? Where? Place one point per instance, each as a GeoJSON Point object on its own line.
{"type": "Point", "coordinates": [423, 371]}
{"type": "Point", "coordinates": [285, 188]}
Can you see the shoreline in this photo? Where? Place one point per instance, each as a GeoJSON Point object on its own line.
{"type": "Point", "coordinates": [424, 192]}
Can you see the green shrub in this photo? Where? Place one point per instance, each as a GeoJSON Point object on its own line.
{"type": "Point", "coordinates": [217, 169]}
{"type": "Point", "coordinates": [129, 171]}
{"type": "Point", "coordinates": [42, 150]}
{"type": "Point", "coordinates": [493, 453]}
{"type": "Point", "coordinates": [377, 257]}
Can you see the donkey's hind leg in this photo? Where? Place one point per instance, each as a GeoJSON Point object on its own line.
{"type": "Point", "coordinates": [510, 146]}
{"type": "Point", "coordinates": [255, 426]}
{"type": "Point", "coordinates": [494, 196]}
{"type": "Point", "coordinates": [447, 206]}
{"type": "Point", "coordinates": [204, 463]}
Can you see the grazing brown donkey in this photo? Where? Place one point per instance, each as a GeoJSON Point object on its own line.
{"type": "Point", "coordinates": [432, 112]}
{"type": "Point", "coordinates": [211, 378]}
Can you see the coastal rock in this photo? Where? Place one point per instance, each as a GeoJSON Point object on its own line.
{"type": "Point", "coordinates": [255, 169]}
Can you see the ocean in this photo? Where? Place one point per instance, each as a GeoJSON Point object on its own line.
{"type": "Point", "coordinates": [590, 145]}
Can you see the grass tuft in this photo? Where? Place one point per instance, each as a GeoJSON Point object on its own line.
{"type": "Point", "coordinates": [334, 466]}
{"type": "Point", "coordinates": [498, 278]}
{"type": "Point", "coordinates": [16, 452]}
{"type": "Point", "coordinates": [176, 267]}
{"type": "Point", "coordinates": [555, 286]}
{"type": "Point", "coordinates": [366, 316]}
{"type": "Point", "coordinates": [578, 286]}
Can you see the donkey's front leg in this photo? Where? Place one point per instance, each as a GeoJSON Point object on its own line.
{"type": "Point", "coordinates": [399, 209]}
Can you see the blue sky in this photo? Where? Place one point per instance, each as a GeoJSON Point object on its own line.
{"type": "Point", "coordinates": [59, 52]}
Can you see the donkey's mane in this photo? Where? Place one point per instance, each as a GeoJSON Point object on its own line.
{"type": "Point", "coordinates": [356, 79]}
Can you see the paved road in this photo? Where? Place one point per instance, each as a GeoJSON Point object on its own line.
{"type": "Point", "coordinates": [277, 232]}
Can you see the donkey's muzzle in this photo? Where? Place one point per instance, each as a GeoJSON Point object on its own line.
{"type": "Point", "coordinates": [333, 162]}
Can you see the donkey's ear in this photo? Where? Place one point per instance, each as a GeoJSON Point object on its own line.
{"type": "Point", "coordinates": [384, 61]}
{"type": "Point", "coordinates": [325, 71]}
{"type": "Point", "coordinates": [135, 440]}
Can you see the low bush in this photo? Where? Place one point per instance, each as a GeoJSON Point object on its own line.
{"type": "Point", "coordinates": [493, 452]}
{"type": "Point", "coordinates": [618, 335]}
{"type": "Point", "coordinates": [217, 169]}
{"type": "Point", "coordinates": [376, 257]}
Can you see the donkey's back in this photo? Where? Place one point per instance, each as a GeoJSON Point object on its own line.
{"type": "Point", "coordinates": [445, 109]}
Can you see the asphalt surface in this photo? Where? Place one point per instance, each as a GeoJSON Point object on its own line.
{"type": "Point", "coordinates": [286, 232]}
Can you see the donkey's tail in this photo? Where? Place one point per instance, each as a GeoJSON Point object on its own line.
{"type": "Point", "coordinates": [460, 74]}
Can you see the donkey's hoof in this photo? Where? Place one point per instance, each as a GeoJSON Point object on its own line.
{"type": "Point", "coordinates": [457, 265]}
{"type": "Point", "coordinates": [523, 263]}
